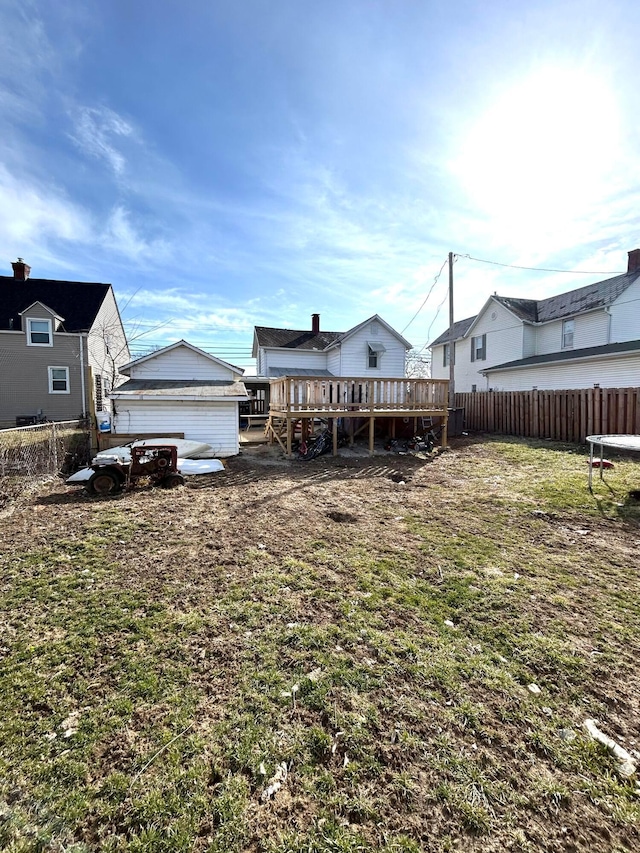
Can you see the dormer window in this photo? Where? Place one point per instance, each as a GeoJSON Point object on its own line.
{"type": "Point", "coordinates": [39, 333]}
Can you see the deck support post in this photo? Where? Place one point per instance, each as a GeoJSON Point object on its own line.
{"type": "Point", "coordinates": [335, 436]}
{"type": "Point", "coordinates": [289, 435]}
{"type": "Point", "coordinates": [372, 432]}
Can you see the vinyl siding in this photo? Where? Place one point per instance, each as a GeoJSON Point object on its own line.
{"type": "Point", "coordinates": [590, 330]}
{"type": "Point", "coordinates": [504, 342]}
{"type": "Point", "coordinates": [354, 355]}
{"type": "Point", "coordinates": [24, 379]}
{"type": "Point", "coordinates": [611, 372]}
{"type": "Point", "coordinates": [107, 342]}
{"type": "Point", "coordinates": [334, 362]}
{"type": "Point", "coordinates": [213, 423]}
{"type": "Point", "coordinates": [293, 358]}
{"type": "Point", "coordinates": [181, 363]}
{"type": "Point", "coordinates": [625, 315]}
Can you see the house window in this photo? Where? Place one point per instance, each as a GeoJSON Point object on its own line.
{"type": "Point", "coordinates": [568, 327]}
{"type": "Point", "coordinates": [58, 380]}
{"type": "Point", "coordinates": [374, 353]}
{"type": "Point", "coordinates": [445, 355]}
{"type": "Point", "coordinates": [39, 333]}
{"type": "Point", "coordinates": [479, 348]}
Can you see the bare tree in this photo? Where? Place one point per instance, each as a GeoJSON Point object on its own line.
{"type": "Point", "coordinates": [418, 364]}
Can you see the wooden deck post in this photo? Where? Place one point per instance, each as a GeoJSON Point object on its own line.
{"type": "Point", "coordinates": [335, 436]}
{"type": "Point", "coordinates": [372, 432]}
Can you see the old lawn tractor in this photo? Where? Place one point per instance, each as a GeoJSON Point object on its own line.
{"type": "Point", "coordinates": [158, 464]}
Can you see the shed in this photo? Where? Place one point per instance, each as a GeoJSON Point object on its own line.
{"type": "Point", "coordinates": [181, 389]}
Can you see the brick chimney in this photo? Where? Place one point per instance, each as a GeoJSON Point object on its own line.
{"type": "Point", "coordinates": [634, 262]}
{"type": "Point", "coordinates": [20, 270]}
{"type": "Point", "coordinates": [315, 323]}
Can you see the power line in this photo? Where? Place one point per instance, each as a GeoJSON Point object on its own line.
{"type": "Point", "coordinates": [543, 269]}
{"type": "Point", "coordinates": [435, 281]}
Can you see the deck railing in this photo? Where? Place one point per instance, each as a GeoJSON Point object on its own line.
{"type": "Point", "coordinates": [353, 394]}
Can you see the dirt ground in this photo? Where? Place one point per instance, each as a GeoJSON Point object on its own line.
{"type": "Point", "coordinates": [552, 553]}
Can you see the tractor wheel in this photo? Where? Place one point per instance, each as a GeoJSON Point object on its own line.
{"type": "Point", "coordinates": [104, 483]}
{"type": "Point", "coordinates": [173, 480]}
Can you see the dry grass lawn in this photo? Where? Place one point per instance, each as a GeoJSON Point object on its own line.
{"type": "Point", "coordinates": [325, 656]}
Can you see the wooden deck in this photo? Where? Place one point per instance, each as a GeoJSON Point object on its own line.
{"type": "Point", "coordinates": [304, 398]}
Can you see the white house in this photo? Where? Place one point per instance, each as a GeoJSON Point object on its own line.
{"type": "Point", "coordinates": [585, 337]}
{"type": "Point", "coordinates": [181, 389]}
{"type": "Point", "coordinates": [372, 348]}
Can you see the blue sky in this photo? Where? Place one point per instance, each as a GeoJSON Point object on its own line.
{"type": "Point", "coordinates": [226, 164]}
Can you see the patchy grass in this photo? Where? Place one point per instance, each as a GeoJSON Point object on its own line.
{"type": "Point", "coordinates": [166, 654]}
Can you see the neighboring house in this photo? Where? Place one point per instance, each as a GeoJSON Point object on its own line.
{"type": "Point", "coordinates": [585, 337]}
{"type": "Point", "coordinates": [181, 389]}
{"type": "Point", "coordinates": [61, 347]}
{"type": "Point", "coordinates": [370, 349]}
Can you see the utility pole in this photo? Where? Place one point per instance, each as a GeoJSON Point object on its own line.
{"type": "Point", "coordinates": [451, 341]}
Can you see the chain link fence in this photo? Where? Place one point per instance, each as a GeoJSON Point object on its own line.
{"type": "Point", "coordinates": [29, 454]}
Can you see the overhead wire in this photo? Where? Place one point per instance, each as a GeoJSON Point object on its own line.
{"type": "Point", "coordinates": [542, 269]}
{"type": "Point", "coordinates": [435, 281]}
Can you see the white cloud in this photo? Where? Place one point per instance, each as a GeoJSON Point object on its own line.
{"type": "Point", "coordinates": [122, 236]}
{"type": "Point", "coordinates": [96, 132]}
{"type": "Point", "coordinates": [32, 213]}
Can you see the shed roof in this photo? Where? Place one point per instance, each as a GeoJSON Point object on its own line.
{"type": "Point", "coordinates": [181, 389]}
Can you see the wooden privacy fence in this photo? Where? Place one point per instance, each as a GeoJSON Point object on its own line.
{"type": "Point", "coordinates": [561, 415]}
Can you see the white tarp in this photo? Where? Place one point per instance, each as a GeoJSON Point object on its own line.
{"type": "Point", "coordinates": [187, 467]}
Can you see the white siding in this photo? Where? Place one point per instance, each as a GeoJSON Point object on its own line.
{"type": "Point", "coordinates": [504, 342]}
{"type": "Point", "coordinates": [334, 362]}
{"type": "Point", "coordinates": [608, 372]}
{"type": "Point", "coordinates": [107, 343]}
{"type": "Point", "coordinates": [182, 363]}
{"type": "Point", "coordinates": [528, 340]}
{"type": "Point", "coordinates": [590, 330]}
{"type": "Point", "coordinates": [625, 315]}
{"type": "Point", "coordinates": [355, 360]}
{"type": "Point", "coordinates": [284, 358]}
{"type": "Point", "coordinates": [213, 423]}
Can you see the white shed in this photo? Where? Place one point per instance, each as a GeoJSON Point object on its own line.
{"type": "Point", "coordinates": [181, 389]}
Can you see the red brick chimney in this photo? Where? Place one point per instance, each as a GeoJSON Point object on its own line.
{"type": "Point", "coordinates": [20, 270]}
{"type": "Point", "coordinates": [315, 323]}
{"type": "Point", "coordinates": [634, 262]}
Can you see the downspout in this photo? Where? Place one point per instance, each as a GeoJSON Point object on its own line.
{"type": "Point", "coordinates": [82, 378]}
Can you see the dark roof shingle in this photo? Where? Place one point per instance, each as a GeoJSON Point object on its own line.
{"type": "Point", "coordinates": [294, 338]}
{"type": "Point", "coordinates": [77, 302]}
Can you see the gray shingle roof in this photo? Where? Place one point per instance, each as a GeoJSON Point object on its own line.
{"type": "Point", "coordinates": [526, 309]}
{"type": "Point", "coordinates": [567, 355]}
{"type": "Point", "coordinates": [294, 338]}
{"type": "Point", "coordinates": [597, 295]}
{"type": "Point", "coordinates": [457, 331]}
{"type": "Point", "coordinates": [586, 298]}
{"type": "Point", "coordinates": [276, 372]}
{"type": "Point", "coordinates": [181, 388]}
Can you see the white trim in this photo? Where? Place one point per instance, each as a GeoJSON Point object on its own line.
{"type": "Point", "coordinates": [167, 398]}
{"type": "Point", "coordinates": [30, 332]}
{"type": "Point", "coordinates": [50, 370]}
